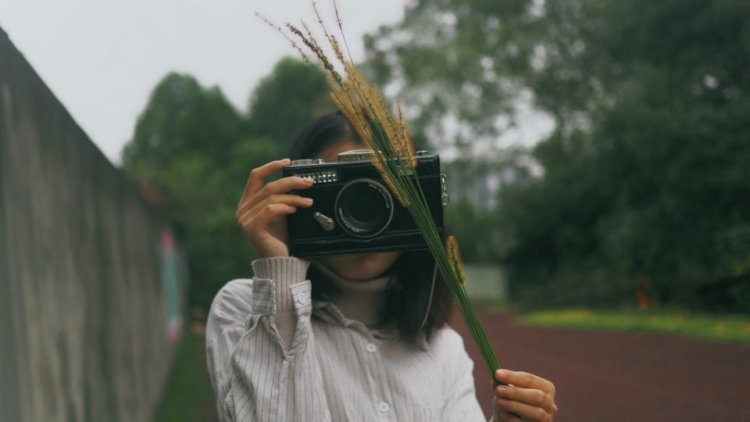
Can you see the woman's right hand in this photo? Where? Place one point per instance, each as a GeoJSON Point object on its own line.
{"type": "Point", "coordinates": [263, 208]}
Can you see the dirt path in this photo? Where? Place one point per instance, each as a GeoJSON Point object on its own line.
{"type": "Point", "coordinates": [604, 376]}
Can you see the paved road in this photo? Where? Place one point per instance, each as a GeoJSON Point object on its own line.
{"type": "Point", "coordinates": [603, 376]}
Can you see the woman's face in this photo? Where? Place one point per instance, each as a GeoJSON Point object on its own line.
{"type": "Point", "coordinates": [361, 266]}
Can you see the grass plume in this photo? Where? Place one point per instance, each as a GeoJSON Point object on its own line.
{"type": "Point", "coordinates": [394, 157]}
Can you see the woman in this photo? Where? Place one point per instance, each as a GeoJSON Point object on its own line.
{"type": "Point", "coordinates": [347, 337]}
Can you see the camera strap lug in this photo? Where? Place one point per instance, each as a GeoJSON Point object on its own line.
{"type": "Point", "coordinates": [444, 190]}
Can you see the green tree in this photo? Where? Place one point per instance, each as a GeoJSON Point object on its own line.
{"type": "Point", "coordinates": [658, 91]}
{"type": "Point", "coordinates": [193, 146]}
{"type": "Point", "coordinates": [645, 175]}
{"type": "Point", "coordinates": [285, 100]}
{"type": "Point", "coordinates": [181, 116]}
{"type": "Point", "coordinates": [455, 64]}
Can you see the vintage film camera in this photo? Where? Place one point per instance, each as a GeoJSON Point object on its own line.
{"type": "Point", "coordinates": [353, 210]}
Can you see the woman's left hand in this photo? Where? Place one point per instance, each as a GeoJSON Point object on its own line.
{"type": "Point", "coordinates": [524, 397]}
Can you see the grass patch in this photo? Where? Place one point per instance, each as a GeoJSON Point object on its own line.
{"type": "Point", "coordinates": [188, 395]}
{"type": "Point", "coordinates": [733, 328]}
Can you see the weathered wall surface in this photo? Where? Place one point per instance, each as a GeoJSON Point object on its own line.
{"type": "Point", "coordinates": [83, 331]}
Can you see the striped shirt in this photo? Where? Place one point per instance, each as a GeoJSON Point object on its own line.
{"type": "Point", "coordinates": [276, 355]}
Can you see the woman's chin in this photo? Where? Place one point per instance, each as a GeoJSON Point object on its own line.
{"type": "Point", "coordinates": [361, 267]}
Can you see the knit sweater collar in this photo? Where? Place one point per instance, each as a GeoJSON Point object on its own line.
{"type": "Point", "coordinates": [360, 300]}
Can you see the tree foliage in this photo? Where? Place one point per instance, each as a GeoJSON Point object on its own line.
{"type": "Point", "coordinates": [181, 116]}
{"type": "Point", "coordinates": [197, 150]}
{"type": "Point", "coordinates": [645, 176]}
{"type": "Point", "coordinates": [285, 100]}
{"type": "Point", "coordinates": [192, 145]}
{"type": "Point", "coordinates": [455, 64]}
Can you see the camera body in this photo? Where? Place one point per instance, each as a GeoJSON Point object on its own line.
{"type": "Point", "coordinates": [353, 210]}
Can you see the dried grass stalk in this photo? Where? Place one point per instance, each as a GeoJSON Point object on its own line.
{"type": "Point", "coordinates": [394, 157]}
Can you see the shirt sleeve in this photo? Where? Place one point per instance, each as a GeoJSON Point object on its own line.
{"type": "Point", "coordinates": [461, 403]}
{"type": "Point", "coordinates": [259, 345]}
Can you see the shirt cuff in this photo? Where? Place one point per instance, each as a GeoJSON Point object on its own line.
{"type": "Point", "coordinates": [286, 273]}
{"type": "Point", "coordinates": [281, 268]}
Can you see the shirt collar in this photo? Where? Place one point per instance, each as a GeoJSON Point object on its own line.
{"type": "Point", "coordinates": [328, 312]}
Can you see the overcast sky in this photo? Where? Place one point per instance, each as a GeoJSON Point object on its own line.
{"type": "Point", "coordinates": [101, 58]}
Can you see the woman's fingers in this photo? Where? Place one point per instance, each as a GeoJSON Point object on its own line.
{"type": "Point", "coordinates": [285, 185]}
{"type": "Point", "coordinates": [259, 175]}
{"type": "Point", "coordinates": [252, 221]}
{"type": "Point", "coordinates": [525, 380]}
{"type": "Point", "coordinates": [524, 411]}
{"type": "Point", "coordinates": [527, 396]}
{"type": "Point", "coordinates": [507, 417]}
{"type": "Point", "coordinates": [262, 207]}
{"type": "Point", "coordinates": [270, 207]}
{"type": "Point", "coordinates": [280, 186]}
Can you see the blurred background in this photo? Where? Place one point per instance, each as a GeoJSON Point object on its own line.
{"type": "Point", "coordinates": [597, 155]}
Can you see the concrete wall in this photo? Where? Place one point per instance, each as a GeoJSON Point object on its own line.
{"type": "Point", "coordinates": [83, 331]}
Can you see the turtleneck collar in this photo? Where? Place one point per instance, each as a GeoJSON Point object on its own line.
{"type": "Point", "coordinates": [360, 300]}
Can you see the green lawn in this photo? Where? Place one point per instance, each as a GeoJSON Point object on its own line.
{"type": "Point", "coordinates": [188, 395]}
{"type": "Point", "coordinates": [733, 328]}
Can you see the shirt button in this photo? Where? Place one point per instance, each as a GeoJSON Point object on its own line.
{"type": "Point", "coordinates": [383, 406]}
{"type": "Point", "coordinates": [371, 347]}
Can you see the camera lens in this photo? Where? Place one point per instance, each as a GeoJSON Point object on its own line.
{"type": "Point", "coordinates": [364, 208]}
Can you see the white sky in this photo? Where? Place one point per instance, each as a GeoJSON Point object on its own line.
{"type": "Point", "coordinates": [101, 58]}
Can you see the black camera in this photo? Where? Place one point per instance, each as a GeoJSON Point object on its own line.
{"type": "Point", "coordinates": [353, 210]}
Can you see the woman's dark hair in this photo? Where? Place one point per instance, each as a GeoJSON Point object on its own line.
{"type": "Point", "coordinates": [408, 297]}
{"type": "Point", "coordinates": [320, 133]}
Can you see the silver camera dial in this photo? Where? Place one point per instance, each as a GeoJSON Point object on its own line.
{"type": "Point", "coordinates": [361, 154]}
{"type": "Point", "coordinates": [306, 161]}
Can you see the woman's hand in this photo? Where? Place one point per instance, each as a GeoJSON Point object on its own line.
{"type": "Point", "coordinates": [524, 397]}
{"type": "Point", "coordinates": [263, 208]}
